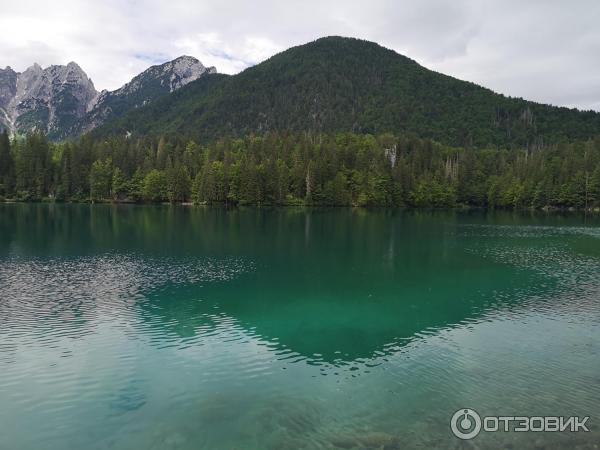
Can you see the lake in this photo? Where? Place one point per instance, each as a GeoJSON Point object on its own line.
{"type": "Point", "coordinates": [140, 327]}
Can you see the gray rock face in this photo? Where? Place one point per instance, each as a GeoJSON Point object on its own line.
{"type": "Point", "coordinates": [146, 87]}
{"type": "Point", "coordinates": [8, 90]}
{"type": "Point", "coordinates": [8, 86]}
{"type": "Point", "coordinates": [62, 101]}
{"type": "Point", "coordinates": [170, 75]}
{"type": "Point", "coordinates": [48, 100]}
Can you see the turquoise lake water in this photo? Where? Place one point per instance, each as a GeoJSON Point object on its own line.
{"type": "Point", "coordinates": [138, 327]}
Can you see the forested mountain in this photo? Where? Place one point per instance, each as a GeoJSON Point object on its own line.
{"type": "Point", "coordinates": [334, 122]}
{"type": "Point", "coordinates": [340, 84]}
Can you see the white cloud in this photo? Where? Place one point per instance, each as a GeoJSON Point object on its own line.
{"type": "Point", "coordinates": [213, 50]}
{"type": "Point", "coordinates": [545, 50]}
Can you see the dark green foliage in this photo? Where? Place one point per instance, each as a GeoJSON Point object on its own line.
{"type": "Point", "coordinates": [155, 186]}
{"type": "Point", "coordinates": [347, 85]}
{"type": "Point", "coordinates": [33, 168]}
{"type": "Point", "coordinates": [135, 187]}
{"type": "Point", "coordinates": [7, 165]}
{"type": "Point", "coordinates": [101, 180]}
{"type": "Point", "coordinates": [119, 188]}
{"type": "Point", "coordinates": [37, 119]}
{"type": "Point", "coordinates": [178, 184]}
{"type": "Point", "coordinates": [66, 113]}
{"type": "Point", "coordinates": [304, 169]}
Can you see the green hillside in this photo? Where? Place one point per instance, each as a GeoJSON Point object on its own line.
{"type": "Point", "coordinates": [340, 84]}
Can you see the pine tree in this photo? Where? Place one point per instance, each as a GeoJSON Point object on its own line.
{"type": "Point", "coordinates": [6, 166]}
{"type": "Point", "coordinates": [155, 186]}
{"type": "Point", "coordinates": [101, 180]}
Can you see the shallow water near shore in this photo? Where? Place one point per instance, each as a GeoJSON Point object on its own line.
{"type": "Point", "coordinates": [125, 327]}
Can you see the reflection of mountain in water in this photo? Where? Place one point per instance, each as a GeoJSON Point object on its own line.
{"type": "Point", "coordinates": [337, 325]}
{"type": "Point", "coordinates": [338, 295]}
{"type": "Point", "coordinates": [327, 286]}
{"type": "Point", "coordinates": [173, 327]}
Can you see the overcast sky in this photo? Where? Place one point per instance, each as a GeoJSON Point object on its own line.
{"type": "Point", "coordinates": [543, 50]}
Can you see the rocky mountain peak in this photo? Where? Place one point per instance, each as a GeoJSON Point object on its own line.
{"type": "Point", "coordinates": [144, 88]}
{"type": "Point", "coordinates": [185, 69]}
{"type": "Point", "coordinates": [172, 75]}
{"type": "Point", "coordinates": [61, 100]}
{"type": "Point", "coordinates": [35, 68]}
{"type": "Point", "coordinates": [46, 100]}
{"type": "Point", "coordinates": [8, 89]}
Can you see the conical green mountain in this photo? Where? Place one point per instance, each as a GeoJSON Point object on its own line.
{"type": "Point", "coordinates": [338, 84]}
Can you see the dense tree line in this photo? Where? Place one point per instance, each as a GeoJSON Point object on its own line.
{"type": "Point", "coordinates": [301, 169]}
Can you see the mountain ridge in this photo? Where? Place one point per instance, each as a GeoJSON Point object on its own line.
{"type": "Point", "coordinates": [157, 80]}
{"type": "Point", "coordinates": [61, 100]}
{"type": "Point", "coordinates": [48, 99]}
{"type": "Point", "coordinates": [345, 84]}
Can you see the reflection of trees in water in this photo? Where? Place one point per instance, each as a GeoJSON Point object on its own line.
{"type": "Point", "coordinates": [364, 282]}
{"type": "Point", "coordinates": [82, 229]}
{"type": "Point", "coordinates": [92, 229]}
{"type": "Point", "coordinates": [259, 290]}
{"type": "Point", "coordinates": [333, 285]}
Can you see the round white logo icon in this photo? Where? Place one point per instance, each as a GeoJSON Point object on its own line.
{"type": "Point", "coordinates": [465, 423]}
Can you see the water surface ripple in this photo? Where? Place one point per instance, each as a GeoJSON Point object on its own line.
{"type": "Point", "coordinates": [187, 328]}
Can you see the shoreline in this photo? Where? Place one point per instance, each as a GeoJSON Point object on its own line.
{"type": "Point", "coordinates": [546, 209]}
